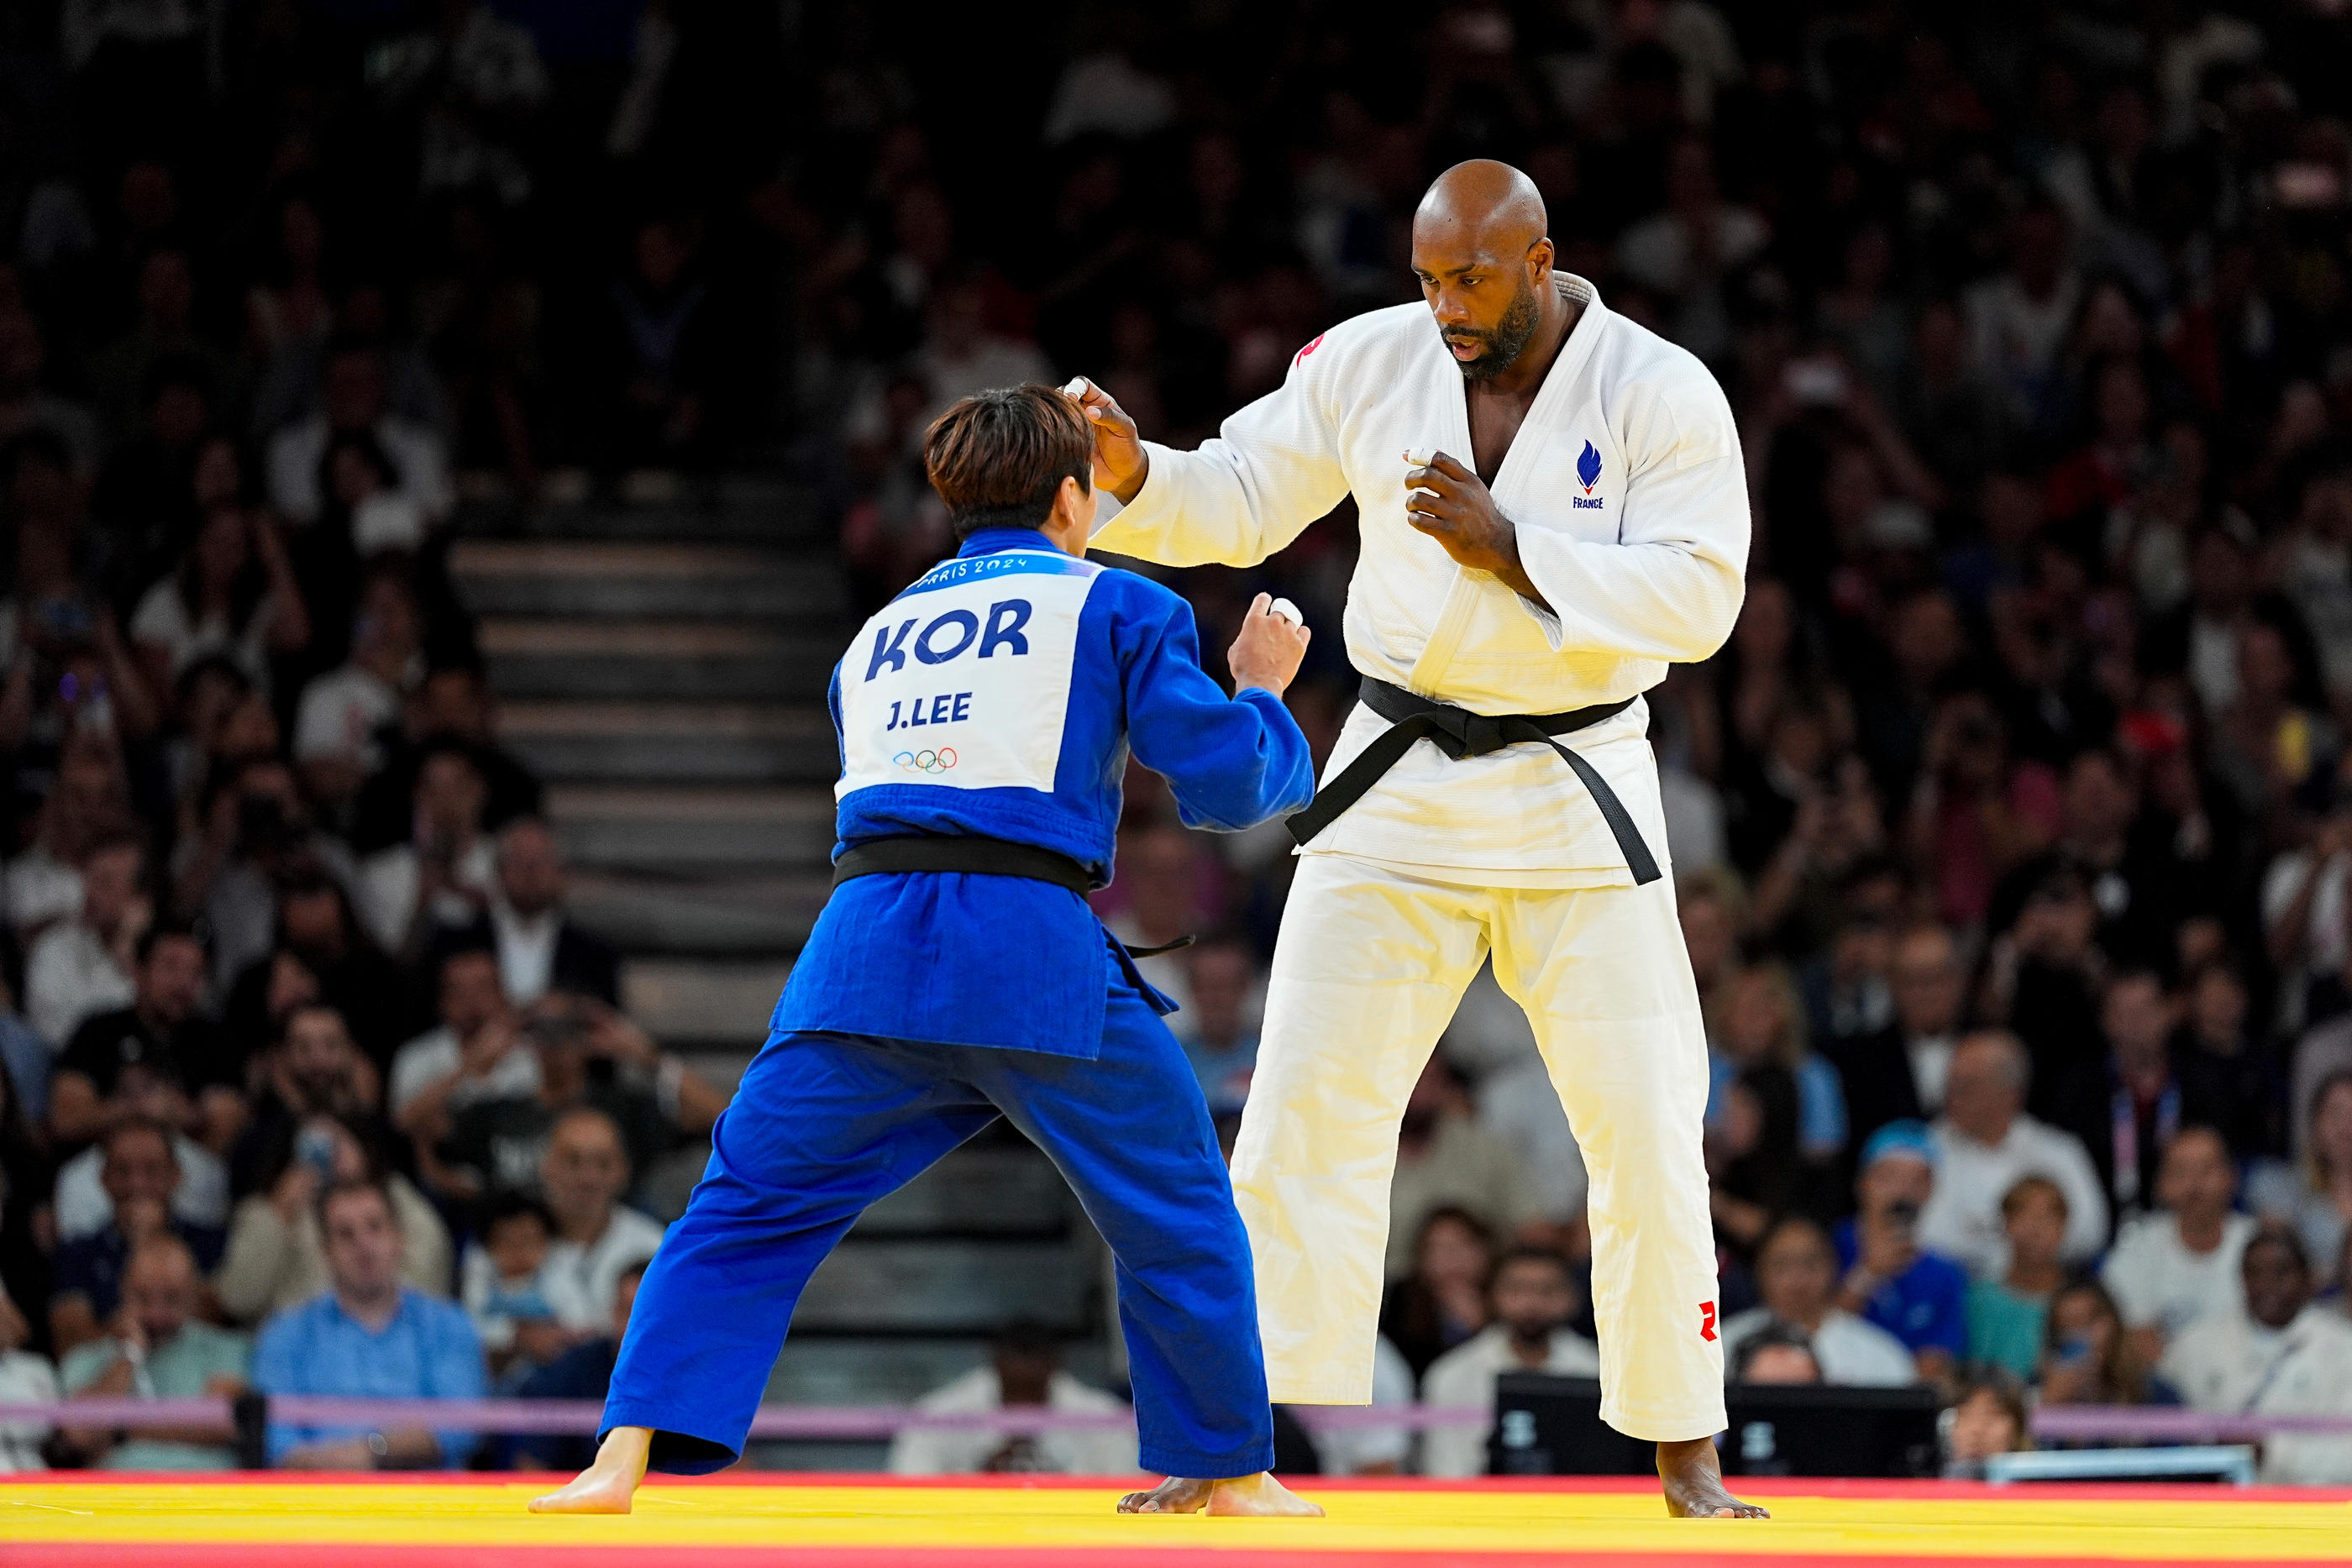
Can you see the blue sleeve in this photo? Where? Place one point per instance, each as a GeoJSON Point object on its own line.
{"type": "Point", "coordinates": [276, 1360]}
{"type": "Point", "coordinates": [833, 708]}
{"type": "Point", "coordinates": [1231, 762]}
{"type": "Point", "coordinates": [1950, 1329]}
{"type": "Point", "coordinates": [455, 1372]}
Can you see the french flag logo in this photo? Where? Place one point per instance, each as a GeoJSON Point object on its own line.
{"type": "Point", "coordinates": [1587, 467]}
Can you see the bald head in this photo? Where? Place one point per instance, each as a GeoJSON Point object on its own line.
{"type": "Point", "coordinates": [1481, 251]}
{"type": "Point", "coordinates": [1492, 200]}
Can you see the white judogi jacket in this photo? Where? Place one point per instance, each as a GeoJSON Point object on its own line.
{"type": "Point", "coordinates": [1626, 489]}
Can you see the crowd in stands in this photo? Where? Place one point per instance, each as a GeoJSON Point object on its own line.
{"type": "Point", "coordinates": [2012, 829]}
{"type": "Point", "coordinates": [309, 1083]}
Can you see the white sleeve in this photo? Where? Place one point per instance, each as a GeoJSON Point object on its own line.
{"type": "Point", "coordinates": [1669, 587]}
{"type": "Point", "coordinates": [1272, 469]}
{"type": "Point", "coordinates": [2125, 1274]}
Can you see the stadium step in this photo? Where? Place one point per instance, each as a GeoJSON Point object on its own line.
{"type": "Point", "coordinates": [671, 660]}
{"type": "Point", "coordinates": [690, 742]}
{"type": "Point", "coordinates": [545, 577]}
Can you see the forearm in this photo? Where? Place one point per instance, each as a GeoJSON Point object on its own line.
{"type": "Point", "coordinates": [1675, 603]}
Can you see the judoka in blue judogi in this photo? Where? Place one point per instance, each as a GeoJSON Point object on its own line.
{"type": "Point", "coordinates": [988, 711]}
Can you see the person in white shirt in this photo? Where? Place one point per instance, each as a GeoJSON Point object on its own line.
{"type": "Point", "coordinates": [1372, 1451]}
{"type": "Point", "coordinates": [353, 393]}
{"type": "Point", "coordinates": [582, 1175]}
{"type": "Point", "coordinates": [81, 967]}
{"type": "Point", "coordinates": [1984, 1142]}
{"type": "Point", "coordinates": [26, 1378]}
{"type": "Point", "coordinates": [441, 876]}
{"type": "Point", "coordinates": [2170, 1268]}
{"type": "Point", "coordinates": [1552, 508]}
{"type": "Point", "coordinates": [1534, 1296]}
{"type": "Point", "coordinates": [1796, 1271]}
{"type": "Point", "coordinates": [339, 724]}
{"type": "Point", "coordinates": [477, 1052]}
{"type": "Point", "coordinates": [2282, 1355]}
{"type": "Point", "coordinates": [1024, 1371]}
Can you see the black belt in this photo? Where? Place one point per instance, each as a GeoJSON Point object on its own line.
{"type": "Point", "coordinates": [1459, 733]}
{"type": "Point", "coordinates": [987, 857]}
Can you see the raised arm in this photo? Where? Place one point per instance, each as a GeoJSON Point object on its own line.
{"type": "Point", "coordinates": [1231, 762]}
{"type": "Point", "coordinates": [1247, 492]}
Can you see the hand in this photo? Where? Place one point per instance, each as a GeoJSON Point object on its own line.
{"type": "Point", "coordinates": [127, 1330]}
{"type": "Point", "coordinates": [1121, 464]}
{"type": "Point", "coordinates": [1453, 506]}
{"type": "Point", "coordinates": [488, 1046]}
{"type": "Point", "coordinates": [610, 1034]}
{"type": "Point", "coordinates": [1268, 649]}
{"type": "Point", "coordinates": [295, 1192]}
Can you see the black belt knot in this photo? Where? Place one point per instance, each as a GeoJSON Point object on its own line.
{"type": "Point", "coordinates": [1459, 733]}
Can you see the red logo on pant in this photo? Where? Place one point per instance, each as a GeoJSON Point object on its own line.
{"type": "Point", "coordinates": [1706, 1320]}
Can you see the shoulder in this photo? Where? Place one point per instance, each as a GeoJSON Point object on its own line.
{"type": "Point", "coordinates": [975, 1390]}
{"type": "Point", "coordinates": [290, 1325]}
{"type": "Point", "coordinates": [632, 1230]}
{"type": "Point", "coordinates": [1739, 1325]}
{"type": "Point", "coordinates": [2140, 1235]}
{"type": "Point", "coordinates": [442, 1316]}
{"type": "Point", "coordinates": [1572, 1353]}
{"type": "Point", "coordinates": [1935, 1274]}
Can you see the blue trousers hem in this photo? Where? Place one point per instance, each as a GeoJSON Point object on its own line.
{"type": "Point", "coordinates": [669, 1455]}
{"type": "Point", "coordinates": [1197, 1466]}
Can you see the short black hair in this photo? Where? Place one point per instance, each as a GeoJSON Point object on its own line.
{"type": "Point", "coordinates": [510, 1205]}
{"type": "Point", "coordinates": [164, 931]}
{"type": "Point", "coordinates": [1774, 1335]}
{"type": "Point", "coordinates": [998, 457]}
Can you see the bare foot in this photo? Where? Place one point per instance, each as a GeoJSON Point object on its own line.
{"type": "Point", "coordinates": [1244, 1497]}
{"type": "Point", "coordinates": [1259, 1496]}
{"type": "Point", "coordinates": [1692, 1477]}
{"type": "Point", "coordinates": [608, 1485]}
{"type": "Point", "coordinates": [1175, 1495]}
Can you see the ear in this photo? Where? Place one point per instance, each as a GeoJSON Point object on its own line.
{"type": "Point", "coordinates": [1539, 259]}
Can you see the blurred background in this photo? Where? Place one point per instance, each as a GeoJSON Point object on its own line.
{"type": "Point", "coordinates": [444, 447]}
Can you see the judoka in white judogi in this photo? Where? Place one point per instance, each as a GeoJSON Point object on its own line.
{"type": "Point", "coordinates": [1625, 487]}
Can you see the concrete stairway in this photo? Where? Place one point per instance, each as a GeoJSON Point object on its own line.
{"type": "Point", "coordinates": [663, 668]}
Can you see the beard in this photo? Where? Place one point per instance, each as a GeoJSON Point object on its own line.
{"type": "Point", "coordinates": [1500, 345]}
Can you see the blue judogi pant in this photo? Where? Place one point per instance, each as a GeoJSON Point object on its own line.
{"type": "Point", "coordinates": [826, 1124]}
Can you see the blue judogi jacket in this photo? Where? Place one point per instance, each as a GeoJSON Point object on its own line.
{"type": "Point", "coordinates": [999, 696]}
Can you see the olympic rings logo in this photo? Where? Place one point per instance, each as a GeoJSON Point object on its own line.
{"type": "Point", "coordinates": [937, 761]}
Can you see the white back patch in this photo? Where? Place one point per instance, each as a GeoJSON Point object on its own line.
{"type": "Point", "coordinates": [964, 681]}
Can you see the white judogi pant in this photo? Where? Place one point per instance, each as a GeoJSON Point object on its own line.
{"type": "Point", "coordinates": [1371, 961]}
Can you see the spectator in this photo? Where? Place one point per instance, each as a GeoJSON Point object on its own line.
{"type": "Point", "coordinates": [1777, 1355]}
{"type": "Point", "coordinates": [1760, 1022]}
{"type": "Point", "coordinates": [339, 731]}
{"type": "Point", "coordinates": [1890, 1279]}
{"type": "Point", "coordinates": [477, 1052]}
{"type": "Point", "coordinates": [2233, 1079]}
{"type": "Point", "coordinates": [497, 1145]}
{"type": "Point", "coordinates": [1443, 1301]}
{"type": "Point", "coordinates": [352, 394]}
{"type": "Point", "coordinates": [1984, 1142]}
{"type": "Point", "coordinates": [506, 1291]}
{"type": "Point", "coordinates": [539, 947]}
{"type": "Point", "coordinates": [2088, 1358]}
{"type": "Point", "coordinates": [26, 1377]}
{"type": "Point", "coordinates": [1898, 1073]}
{"type": "Point", "coordinates": [157, 1348]}
{"type": "Point", "coordinates": [2280, 1356]}
{"type": "Point", "coordinates": [2006, 1316]}
{"type": "Point", "coordinates": [453, 705]}
{"type": "Point", "coordinates": [144, 1195]}
{"type": "Point", "coordinates": [1221, 1047]}
{"type": "Point", "coordinates": [2178, 1264]}
{"type": "Point", "coordinates": [2128, 1114]}
{"type": "Point", "coordinates": [1533, 1298]}
{"type": "Point", "coordinates": [1024, 1372]}
{"type": "Point", "coordinates": [660, 371]}
{"type": "Point", "coordinates": [155, 1057]}
{"type": "Point", "coordinates": [1795, 1269]}
{"type": "Point", "coordinates": [88, 804]}
{"type": "Point", "coordinates": [583, 1372]}
{"type": "Point", "coordinates": [312, 1073]}
{"type": "Point", "coordinates": [258, 849]}
{"type": "Point", "coordinates": [1445, 1158]}
{"type": "Point", "coordinates": [82, 965]}
{"type": "Point", "coordinates": [368, 1336]}
{"type": "Point", "coordinates": [2316, 1197]}
{"type": "Point", "coordinates": [232, 596]}
{"type": "Point", "coordinates": [275, 1259]}
{"type": "Point", "coordinates": [440, 875]}
{"type": "Point", "coordinates": [27, 1175]}
{"type": "Point", "coordinates": [582, 1174]}
{"type": "Point", "coordinates": [320, 954]}
{"type": "Point", "coordinates": [1988, 1419]}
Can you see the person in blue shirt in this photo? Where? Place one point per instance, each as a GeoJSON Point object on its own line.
{"type": "Point", "coordinates": [1920, 1297]}
{"type": "Point", "coordinates": [985, 719]}
{"type": "Point", "coordinates": [369, 1337]}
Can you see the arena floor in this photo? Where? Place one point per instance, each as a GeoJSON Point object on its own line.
{"type": "Point", "coordinates": [833, 1522]}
